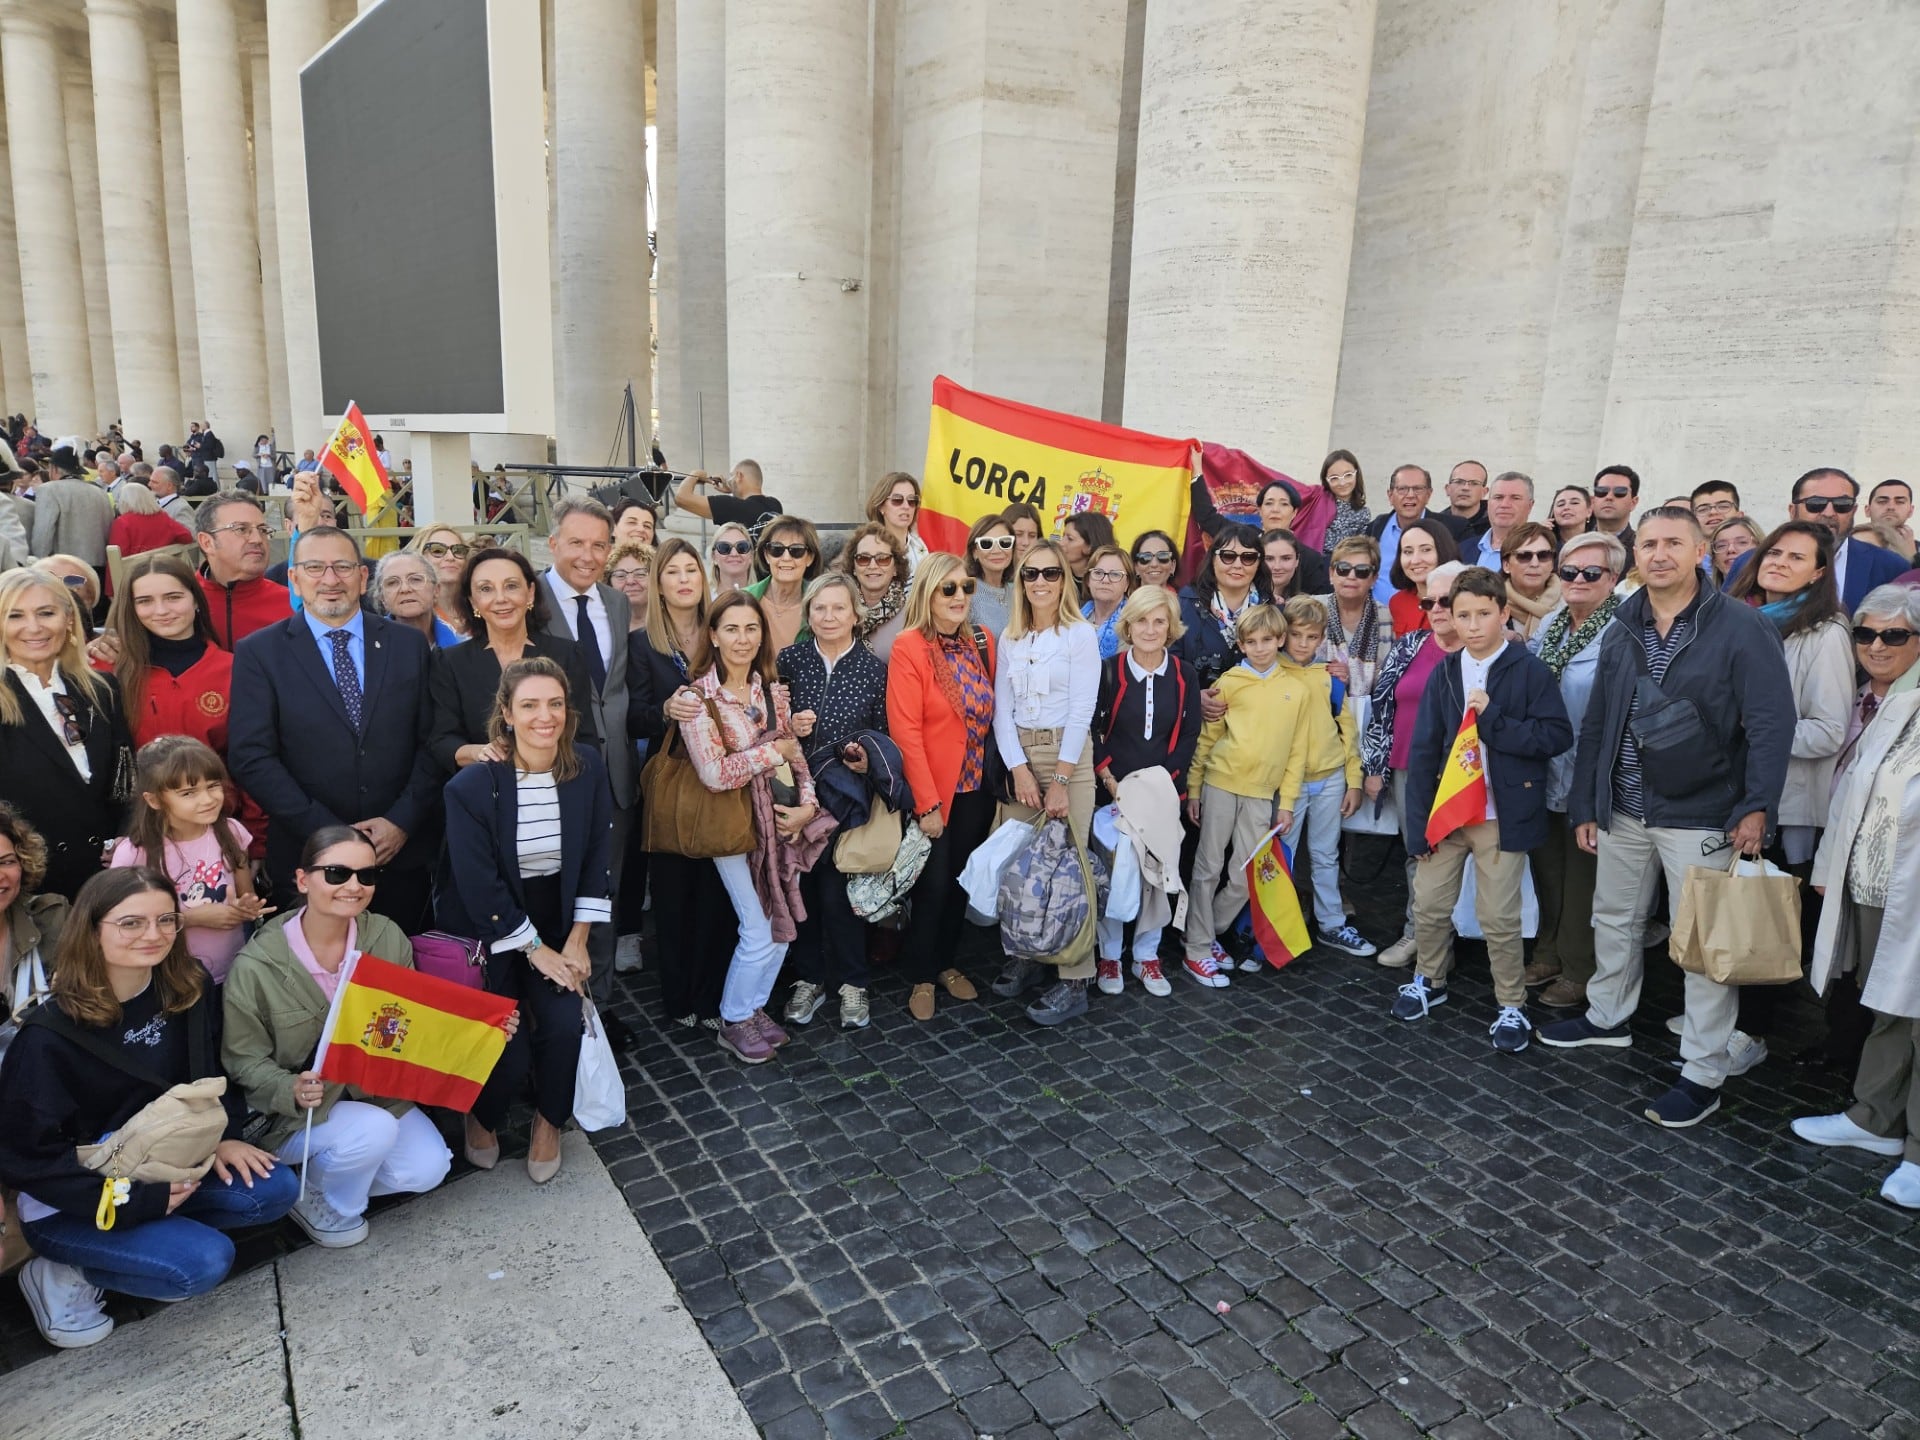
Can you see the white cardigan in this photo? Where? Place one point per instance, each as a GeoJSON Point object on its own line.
{"type": "Point", "coordinates": [1821, 663]}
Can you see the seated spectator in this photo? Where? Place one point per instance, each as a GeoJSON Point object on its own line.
{"type": "Point", "coordinates": [30, 923]}
{"type": "Point", "coordinates": [276, 1003]}
{"type": "Point", "coordinates": [126, 983]}
{"type": "Point", "coordinates": [140, 525]}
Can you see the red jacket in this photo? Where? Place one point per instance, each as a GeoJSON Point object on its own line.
{"type": "Point", "coordinates": [244, 607]}
{"type": "Point", "coordinates": [137, 534]}
{"type": "Point", "coordinates": [931, 736]}
{"type": "Point", "coordinates": [196, 704]}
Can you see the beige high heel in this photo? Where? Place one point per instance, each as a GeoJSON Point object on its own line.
{"type": "Point", "coordinates": [541, 1171]}
{"type": "Point", "coordinates": [481, 1157]}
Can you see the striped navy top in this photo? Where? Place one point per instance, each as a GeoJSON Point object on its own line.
{"type": "Point", "coordinates": [538, 838]}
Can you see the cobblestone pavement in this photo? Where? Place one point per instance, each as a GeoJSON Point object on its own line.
{"type": "Point", "coordinates": [1269, 1210]}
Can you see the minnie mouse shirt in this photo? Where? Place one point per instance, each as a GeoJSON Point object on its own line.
{"type": "Point", "coordinates": [200, 877]}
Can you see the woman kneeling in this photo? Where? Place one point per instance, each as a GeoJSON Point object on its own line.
{"type": "Point", "coordinates": [130, 1015]}
{"type": "Point", "coordinates": [277, 996]}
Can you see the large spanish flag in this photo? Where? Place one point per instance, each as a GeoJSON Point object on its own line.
{"type": "Point", "coordinates": [406, 1036]}
{"type": "Point", "coordinates": [1273, 903]}
{"type": "Point", "coordinates": [985, 453]}
{"type": "Point", "coordinates": [1461, 797]}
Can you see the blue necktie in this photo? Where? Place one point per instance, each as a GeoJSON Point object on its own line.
{"type": "Point", "coordinates": [346, 676]}
{"type": "Point", "coordinates": [590, 643]}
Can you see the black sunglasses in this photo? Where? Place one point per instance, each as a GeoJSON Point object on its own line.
{"type": "Point", "coordinates": [776, 550]}
{"type": "Point", "coordinates": [733, 547]}
{"type": "Point", "coordinates": [1816, 505]}
{"type": "Point", "coordinates": [1152, 557]}
{"type": "Point", "coordinates": [340, 874]}
{"type": "Point", "coordinates": [1238, 557]}
{"type": "Point", "coordinates": [1588, 573]}
{"type": "Point", "coordinates": [1614, 490]}
{"type": "Point", "coordinates": [1344, 568]}
{"type": "Point", "coordinates": [1893, 639]}
{"type": "Point", "coordinates": [948, 588]}
{"type": "Point", "coordinates": [1532, 557]}
{"type": "Point", "coordinates": [1031, 573]}
{"type": "Point", "coordinates": [1427, 602]}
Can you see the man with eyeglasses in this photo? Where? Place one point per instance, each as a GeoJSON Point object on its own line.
{"type": "Point", "coordinates": [1466, 512]}
{"type": "Point", "coordinates": [235, 548]}
{"type": "Point", "coordinates": [1408, 490]}
{"type": "Point", "coordinates": [1830, 497]}
{"type": "Point", "coordinates": [1616, 490]}
{"type": "Point", "coordinates": [329, 727]}
{"type": "Point", "coordinates": [1681, 760]}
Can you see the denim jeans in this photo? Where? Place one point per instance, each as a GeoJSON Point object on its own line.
{"type": "Point", "coordinates": [178, 1256]}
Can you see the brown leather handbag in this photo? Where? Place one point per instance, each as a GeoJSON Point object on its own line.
{"type": "Point", "coordinates": [684, 817]}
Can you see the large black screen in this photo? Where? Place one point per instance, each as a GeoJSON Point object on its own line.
{"type": "Point", "coordinates": [400, 189]}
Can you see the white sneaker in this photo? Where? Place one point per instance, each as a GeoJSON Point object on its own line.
{"type": "Point", "coordinates": [1902, 1187]}
{"type": "Point", "coordinates": [628, 955]}
{"type": "Point", "coordinates": [1152, 979]}
{"type": "Point", "coordinates": [65, 1307]}
{"type": "Point", "coordinates": [326, 1226]}
{"type": "Point", "coordinates": [1399, 955]}
{"type": "Point", "coordinates": [1743, 1053]}
{"type": "Point", "coordinates": [1840, 1130]}
{"type": "Point", "coordinates": [1677, 1025]}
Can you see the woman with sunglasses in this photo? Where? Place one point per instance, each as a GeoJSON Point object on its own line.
{"type": "Point", "coordinates": [275, 1004]}
{"type": "Point", "coordinates": [1533, 590]}
{"type": "Point", "coordinates": [125, 983]}
{"type": "Point", "coordinates": [446, 550]}
{"type": "Point", "coordinates": [1386, 746]}
{"type": "Point", "coordinates": [1233, 580]}
{"type": "Point", "coordinates": [1109, 582]}
{"type": "Point", "coordinates": [894, 503]}
{"type": "Point", "coordinates": [1044, 693]}
{"type": "Point", "coordinates": [525, 872]}
{"type": "Point", "coordinates": [873, 560]}
{"type": "Point", "coordinates": [1155, 559]}
{"type": "Point", "coordinates": [80, 579]}
{"type": "Point", "coordinates": [1359, 630]}
{"type": "Point", "coordinates": [989, 560]}
{"type": "Point", "coordinates": [1570, 512]}
{"type": "Point", "coordinates": [693, 925]}
{"type": "Point", "coordinates": [940, 691]}
{"type": "Point", "coordinates": [790, 556]}
{"type": "Point", "coordinates": [1340, 477]}
{"type": "Point", "coordinates": [1568, 641]}
{"type": "Point", "coordinates": [731, 555]}
{"type": "Point", "coordinates": [505, 610]}
{"type": "Point", "coordinates": [1732, 538]}
{"type": "Point", "coordinates": [66, 757]}
{"type": "Point", "coordinates": [1424, 543]}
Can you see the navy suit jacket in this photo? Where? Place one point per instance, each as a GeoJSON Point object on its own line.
{"type": "Point", "coordinates": [1868, 566]}
{"type": "Point", "coordinates": [291, 746]}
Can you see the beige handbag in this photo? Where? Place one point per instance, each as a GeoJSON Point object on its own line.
{"type": "Point", "coordinates": [170, 1140]}
{"type": "Point", "coordinates": [869, 849]}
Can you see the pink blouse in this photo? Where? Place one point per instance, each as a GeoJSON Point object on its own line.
{"type": "Point", "coordinates": [730, 757]}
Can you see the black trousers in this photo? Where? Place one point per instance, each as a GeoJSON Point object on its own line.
{"type": "Point", "coordinates": [939, 918]}
{"type": "Point", "coordinates": [831, 946]}
{"type": "Point", "coordinates": [630, 883]}
{"type": "Point", "coordinates": [694, 931]}
{"type": "Point", "coordinates": [547, 1044]}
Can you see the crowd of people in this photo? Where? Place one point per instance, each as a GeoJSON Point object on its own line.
{"type": "Point", "coordinates": [216, 785]}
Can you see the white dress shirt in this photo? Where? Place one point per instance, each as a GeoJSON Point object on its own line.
{"type": "Point", "coordinates": [1047, 680]}
{"type": "Point", "coordinates": [1473, 676]}
{"type": "Point", "coordinates": [565, 596]}
{"type": "Point", "coordinates": [43, 697]}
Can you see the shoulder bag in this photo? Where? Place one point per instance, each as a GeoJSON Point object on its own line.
{"type": "Point", "coordinates": [684, 817]}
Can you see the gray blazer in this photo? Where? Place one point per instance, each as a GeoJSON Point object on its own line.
{"type": "Point", "coordinates": [71, 517]}
{"type": "Point", "coordinates": [610, 705]}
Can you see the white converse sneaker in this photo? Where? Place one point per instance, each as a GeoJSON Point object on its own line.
{"type": "Point", "coordinates": [1840, 1130]}
{"type": "Point", "coordinates": [326, 1226]}
{"type": "Point", "coordinates": [65, 1307]}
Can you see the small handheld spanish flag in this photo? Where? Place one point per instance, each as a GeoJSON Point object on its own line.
{"type": "Point", "coordinates": [402, 1035]}
{"type": "Point", "coordinates": [350, 457]}
{"type": "Point", "coordinates": [1273, 903]}
{"type": "Point", "coordinates": [1461, 797]}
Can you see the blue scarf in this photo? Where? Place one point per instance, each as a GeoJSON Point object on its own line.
{"type": "Point", "coordinates": [1781, 612]}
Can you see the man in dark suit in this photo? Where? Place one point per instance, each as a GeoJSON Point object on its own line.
{"type": "Point", "coordinates": [1408, 490]}
{"type": "Point", "coordinates": [594, 616]}
{"type": "Point", "coordinates": [329, 727]}
{"type": "Point", "coordinates": [1830, 498]}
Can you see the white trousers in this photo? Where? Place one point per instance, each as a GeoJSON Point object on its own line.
{"type": "Point", "coordinates": [1113, 935]}
{"type": "Point", "coordinates": [361, 1150]}
{"type": "Point", "coordinates": [757, 956]}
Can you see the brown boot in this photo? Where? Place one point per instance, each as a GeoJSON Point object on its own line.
{"type": "Point", "coordinates": [920, 1003]}
{"type": "Point", "coordinates": [1563, 994]}
{"type": "Point", "coordinates": [957, 985]}
{"type": "Point", "coordinates": [1540, 972]}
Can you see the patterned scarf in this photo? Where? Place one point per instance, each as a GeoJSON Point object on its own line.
{"type": "Point", "coordinates": [963, 679]}
{"type": "Point", "coordinates": [1229, 620]}
{"type": "Point", "coordinates": [1362, 645]}
{"type": "Point", "coordinates": [882, 610]}
{"type": "Point", "coordinates": [1562, 642]}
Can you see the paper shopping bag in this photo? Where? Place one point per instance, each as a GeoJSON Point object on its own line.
{"type": "Point", "coordinates": [1740, 925]}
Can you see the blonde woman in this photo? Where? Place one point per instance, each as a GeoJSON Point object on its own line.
{"type": "Point", "coordinates": [1044, 693]}
{"type": "Point", "coordinates": [730, 554]}
{"type": "Point", "coordinates": [446, 550]}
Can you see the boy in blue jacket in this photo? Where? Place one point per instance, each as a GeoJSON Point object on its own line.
{"type": "Point", "coordinates": [1522, 724]}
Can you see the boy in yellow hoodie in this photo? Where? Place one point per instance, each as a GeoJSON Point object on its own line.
{"type": "Point", "coordinates": [1331, 790]}
{"type": "Point", "coordinates": [1246, 775]}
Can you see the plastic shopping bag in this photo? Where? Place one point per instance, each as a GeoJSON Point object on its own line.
{"type": "Point", "coordinates": [599, 1094]}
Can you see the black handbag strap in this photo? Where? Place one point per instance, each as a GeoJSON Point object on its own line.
{"type": "Point", "coordinates": [57, 1020]}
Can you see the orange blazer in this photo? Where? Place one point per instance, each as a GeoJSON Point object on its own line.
{"type": "Point", "coordinates": [922, 722]}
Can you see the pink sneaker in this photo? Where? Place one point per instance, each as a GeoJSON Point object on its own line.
{"type": "Point", "coordinates": [769, 1029]}
{"type": "Point", "coordinates": [1109, 974]}
{"type": "Point", "coordinates": [744, 1040]}
{"type": "Point", "coordinates": [1148, 973]}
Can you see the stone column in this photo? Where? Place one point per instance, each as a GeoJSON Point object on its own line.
{"type": "Point", "coordinates": [220, 200]}
{"type": "Point", "coordinates": [173, 176]}
{"type": "Point", "coordinates": [1247, 171]}
{"type": "Point", "coordinates": [265, 216]}
{"type": "Point", "coordinates": [667, 399]}
{"type": "Point", "coordinates": [134, 223]}
{"type": "Point", "coordinates": [602, 330]}
{"type": "Point", "coordinates": [700, 33]}
{"type": "Point", "coordinates": [83, 155]}
{"type": "Point", "coordinates": [52, 294]}
{"type": "Point", "coordinates": [16, 370]}
{"type": "Point", "coordinates": [799, 131]}
{"type": "Point", "coordinates": [296, 31]}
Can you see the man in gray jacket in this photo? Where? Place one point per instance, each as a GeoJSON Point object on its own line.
{"type": "Point", "coordinates": [1682, 756]}
{"type": "Point", "coordinates": [71, 516]}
